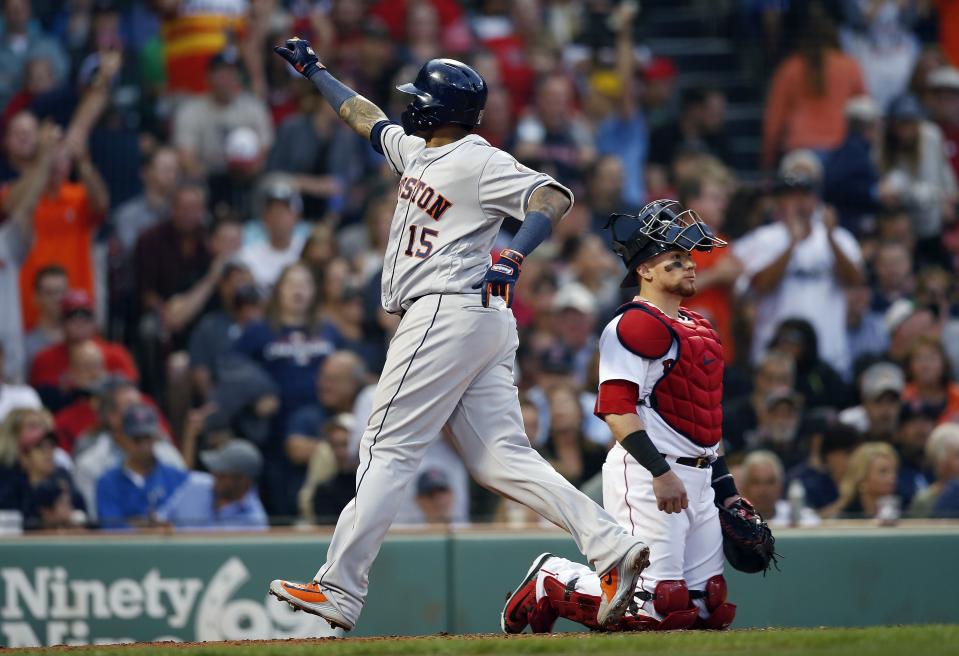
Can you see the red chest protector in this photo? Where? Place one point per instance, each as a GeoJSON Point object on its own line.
{"type": "Point", "coordinates": [689, 395]}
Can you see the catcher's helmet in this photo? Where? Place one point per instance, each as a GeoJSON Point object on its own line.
{"type": "Point", "coordinates": [662, 225]}
{"type": "Point", "coordinates": [445, 91]}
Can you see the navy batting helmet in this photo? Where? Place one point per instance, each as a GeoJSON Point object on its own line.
{"type": "Point", "coordinates": [661, 226]}
{"type": "Point", "coordinates": [445, 91]}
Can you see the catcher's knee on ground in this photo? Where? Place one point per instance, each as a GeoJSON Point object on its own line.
{"type": "Point", "coordinates": [721, 612]}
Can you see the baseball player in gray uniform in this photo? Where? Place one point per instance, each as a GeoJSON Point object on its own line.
{"type": "Point", "coordinates": [451, 360]}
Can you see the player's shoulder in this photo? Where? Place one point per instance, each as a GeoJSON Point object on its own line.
{"type": "Point", "coordinates": [640, 332]}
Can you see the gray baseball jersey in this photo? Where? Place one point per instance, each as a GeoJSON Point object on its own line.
{"type": "Point", "coordinates": [451, 202]}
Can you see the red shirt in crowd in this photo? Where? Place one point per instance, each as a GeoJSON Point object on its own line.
{"type": "Point", "coordinates": [51, 363]}
{"type": "Point", "coordinates": [80, 416]}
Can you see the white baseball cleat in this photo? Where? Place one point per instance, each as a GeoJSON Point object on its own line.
{"type": "Point", "coordinates": [309, 597]}
{"type": "Point", "coordinates": [618, 585]}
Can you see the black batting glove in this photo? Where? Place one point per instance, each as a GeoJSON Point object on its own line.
{"type": "Point", "coordinates": [500, 279]}
{"type": "Point", "coordinates": [300, 55]}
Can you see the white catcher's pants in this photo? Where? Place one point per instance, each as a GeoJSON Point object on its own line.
{"type": "Point", "coordinates": [451, 362]}
{"type": "Point", "coordinates": [682, 546]}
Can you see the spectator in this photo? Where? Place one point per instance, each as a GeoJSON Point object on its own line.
{"type": "Point", "coordinates": [85, 370]}
{"type": "Point", "coordinates": [808, 93]}
{"type": "Point", "coordinates": [225, 498]}
{"type": "Point", "coordinates": [574, 321]}
{"type": "Point", "coordinates": [569, 451]}
{"type": "Point", "coordinates": [870, 477]}
{"type": "Point", "coordinates": [778, 428]}
{"type": "Point", "coordinates": [930, 383]}
{"type": "Point", "coordinates": [942, 454]}
{"type": "Point", "coordinates": [800, 264]}
{"type": "Point", "coordinates": [775, 374]}
{"type": "Point", "coordinates": [101, 450]}
{"type": "Point", "coordinates": [20, 138]}
{"type": "Point", "coordinates": [593, 265]}
{"type": "Point", "coordinates": [50, 286]}
{"type": "Point", "coordinates": [340, 379]}
{"type": "Point", "coordinates": [331, 476]}
{"type": "Point", "coordinates": [49, 373]}
{"type": "Point", "coordinates": [816, 381]}
{"type": "Point", "coordinates": [698, 129]}
{"type": "Point", "coordinates": [916, 423]}
{"type": "Point", "coordinates": [880, 388]}
{"type": "Point", "coordinates": [916, 173]}
{"type": "Point", "coordinates": [19, 203]}
{"type": "Point", "coordinates": [239, 303]}
{"type": "Point", "coordinates": [944, 110]}
{"type": "Point", "coordinates": [159, 173]}
{"type": "Point", "coordinates": [321, 158]}
{"type": "Point", "coordinates": [762, 483]}
{"type": "Point", "coordinates": [823, 471]}
{"type": "Point", "coordinates": [892, 266]}
{"type": "Point", "coordinates": [707, 194]}
{"type": "Point", "coordinates": [131, 494]}
{"type": "Point", "coordinates": [22, 40]}
{"type": "Point", "coordinates": [553, 138]}
{"type": "Point", "coordinates": [878, 36]}
{"type": "Point", "coordinates": [434, 496]}
{"type": "Point", "coordinates": [623, 136]}
{"type": "Point", "coordinates": [27, 462]}
{"type": "Point", "coordinates": [282, 206]}
{"type": "Point", "coordinates": [866, 329]}
{"type": "Point", "coordinates": [850, 172]}
{"type": "Point", "coordinates": [906, 322]}
{"type": "Point", "coordinates": [14, 396]}
{"type": "Point", "coordinates": [201, 125]}
{"type": "Point", "coordinates": [68, 213]}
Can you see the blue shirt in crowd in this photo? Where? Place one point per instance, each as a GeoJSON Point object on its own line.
{"type": "Point", "coordinates": [192, 506]}
{"type": "Point", "coordinates": [123, 495]}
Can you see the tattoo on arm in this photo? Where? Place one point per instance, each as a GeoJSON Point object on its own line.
{"type": "Point", "coordinates": [361, 115]}
{"type": "Point", "coordinates": [551, 201]}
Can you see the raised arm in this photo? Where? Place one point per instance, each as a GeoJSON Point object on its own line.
{"type": "Point", "coordinates": [355, 110]}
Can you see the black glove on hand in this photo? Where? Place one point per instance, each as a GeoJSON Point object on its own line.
{"type": "Point", "coordinates": [300, 55]}
{"type": "Point", "coordinates": [500, 279]}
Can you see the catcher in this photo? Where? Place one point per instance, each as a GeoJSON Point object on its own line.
{"type": "Point", "coordinates": [661, 374]}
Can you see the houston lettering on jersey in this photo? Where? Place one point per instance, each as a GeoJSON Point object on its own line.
{"type": "Point", "coordinates": [425, 197]}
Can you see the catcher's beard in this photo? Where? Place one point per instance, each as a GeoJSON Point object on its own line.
{"type": "Point", "coordinates": [684, 288]}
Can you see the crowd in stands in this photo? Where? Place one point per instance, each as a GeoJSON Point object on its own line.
{"type": "Point", "coordinates": [191, 244]}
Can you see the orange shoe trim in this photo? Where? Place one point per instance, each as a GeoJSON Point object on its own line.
{"type": "Point", "coordinates": [306, 594]}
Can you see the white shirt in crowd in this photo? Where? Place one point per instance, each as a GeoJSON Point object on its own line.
{"type": "Point", "coordinates": [809, 288]}
{"type": "Point", "coordinates": [266, 263]}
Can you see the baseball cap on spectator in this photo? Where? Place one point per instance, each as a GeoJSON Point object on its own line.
{"type": "Point", "coordinates": [242, 146]}
{"type": "Point", "coordinates": [863, 109]}
{"type": "Point", "coordinates": [659, 68]}
{"type": "Point", "coordinates": [432, 480]}
{"type": "Point", "coordinates": [574, 296]}
{"type": "Point", "coordinates": [905, 108]}
{"type": "Point", "coordinates": [246, 295]}
{"type": "Point", "coordinates": [283, 192]}
{"type": "Point", "coordinates": [226, 57]}
{"type": "Point", "coordinates": [897, 314]}
{"type": "Point", "coordinates": [799, 170]}
{"type": "Point", "coordinates": [946, 77]}
{"type": "Point", "coordinates": [879, 379]}
{"type": "Point", "coordinates": [77, 301]}
{"type": "Point", "coordinates": [140, 421]}
{"type": "Point", "coordinates": [31, 437]}
{"type": "Point", "coordinates": [840, 437]}
{"type": "Point", "coordinates": [234, 457]}
{"type": "Point", "coordinates": [557, 359]}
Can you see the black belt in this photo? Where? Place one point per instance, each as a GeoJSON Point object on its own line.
{"type": "Point", "coordinates": [699, 462]}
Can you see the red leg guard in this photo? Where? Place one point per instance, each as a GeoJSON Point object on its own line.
{"type": "Point", "coordinates": [672, 602]}
{"type": "Point", "coordinates": [542, 617]}
{"type": "Point", "coordinates": [572, 605]}
{"type": "Point", "coordinates": [721, 613]}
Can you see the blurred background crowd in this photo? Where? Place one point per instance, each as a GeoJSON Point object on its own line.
{"type": "Point", "coordinates": [191, 245]}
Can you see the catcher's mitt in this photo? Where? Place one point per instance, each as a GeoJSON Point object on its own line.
{"type": "Point", "coordinates": [748, 543]}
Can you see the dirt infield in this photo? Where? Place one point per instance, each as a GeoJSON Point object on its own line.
{"type": "Point", "coordinates": [934, 640]}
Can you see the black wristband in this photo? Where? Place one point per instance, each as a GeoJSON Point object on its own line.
{"type": "Point", "coordinates": [723, 484]}
{"type": "Point", "coordinates": [642, 449]}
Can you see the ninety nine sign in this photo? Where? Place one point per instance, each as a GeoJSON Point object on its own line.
{"type": "Point", "coordinates": [49, 605]}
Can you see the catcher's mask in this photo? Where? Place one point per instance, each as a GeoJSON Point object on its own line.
{"type": "Point", "coordinates": [661, 226]}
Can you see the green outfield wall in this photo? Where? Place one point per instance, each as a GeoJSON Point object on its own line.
{"type": "Point", "coordinates": [112, 589]}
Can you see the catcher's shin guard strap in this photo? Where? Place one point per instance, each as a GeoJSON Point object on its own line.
{"type": "Point", "coordinates": [639, 446]}
{"type": "Point", "coordinates": [723, 483]}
